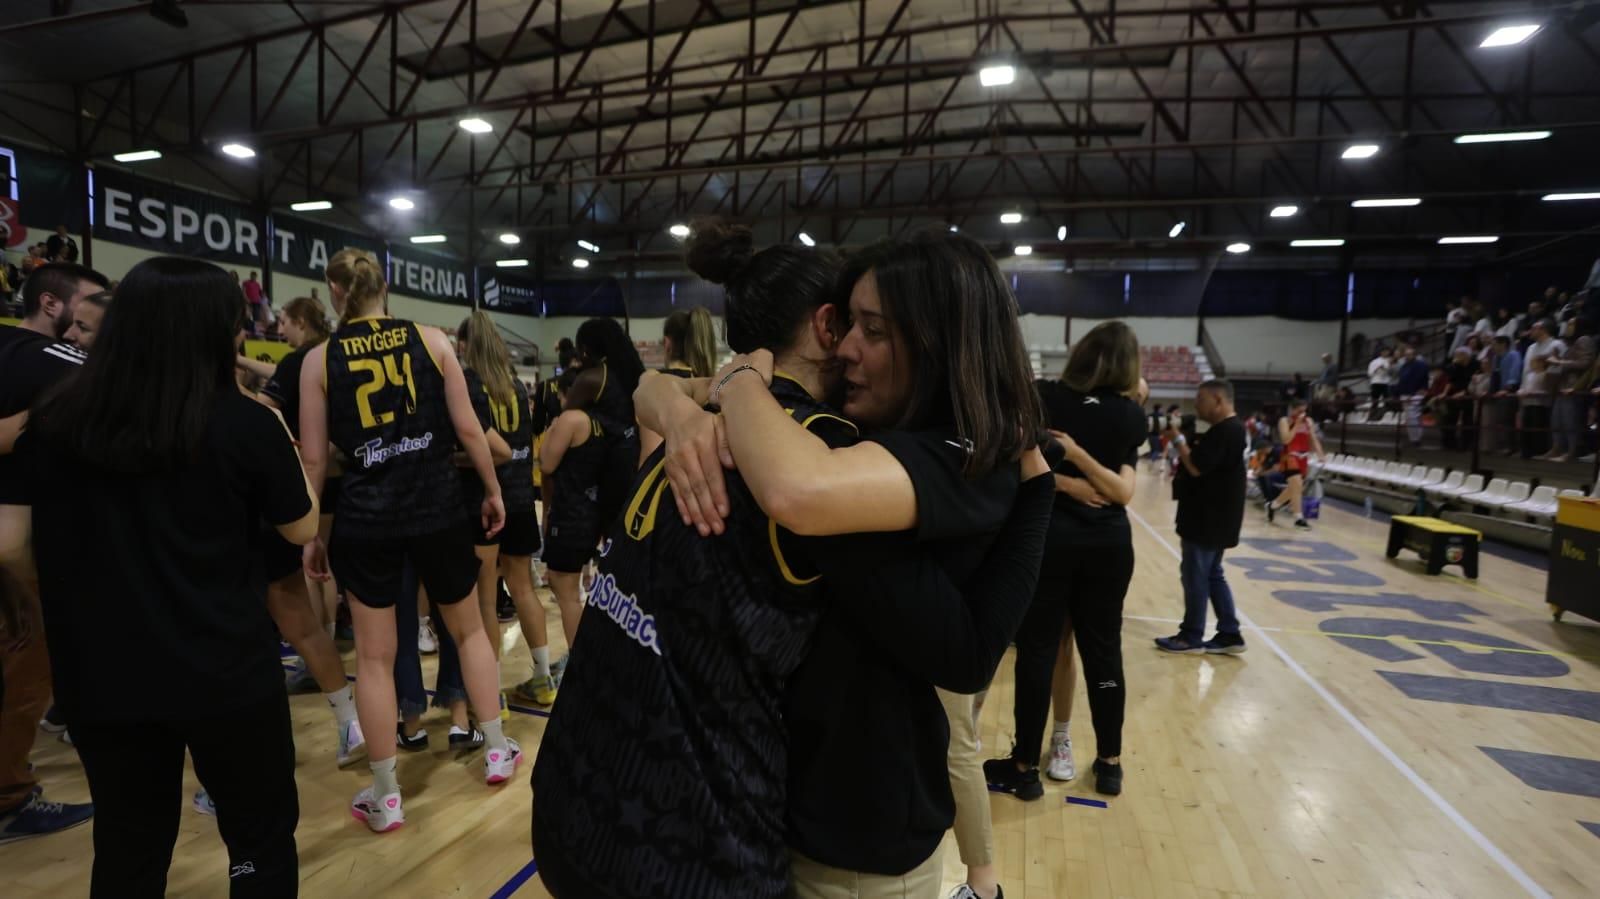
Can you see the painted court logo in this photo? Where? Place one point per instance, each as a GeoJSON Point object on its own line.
{"type": "Point", "coordinates": [376, 452]}
{"type": "Point", "coordinates": [623, 608]}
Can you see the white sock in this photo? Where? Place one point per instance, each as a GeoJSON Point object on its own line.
{"type": "Point", "coordinates": [344, 705]}
{"type": "Point", "coordinates": [384, 782]}
{"type": "Point", "coordinates": [493, 735]}
{"type": "Point", "coordinates": [1061, 730]}
{"type": "Point", "coordinates": [541, 661]}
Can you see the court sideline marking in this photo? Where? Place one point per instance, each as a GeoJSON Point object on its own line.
{"type": "Point", "coordinates": [1376, 742]}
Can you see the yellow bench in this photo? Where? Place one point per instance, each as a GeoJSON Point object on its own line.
{"type": "Point", "coordinates": [1438, 542]}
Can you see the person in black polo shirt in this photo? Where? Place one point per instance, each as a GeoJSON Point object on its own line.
{"type": "Point", "coordinates": [1210, 489]}
{"type": "Point", "coordinates": [1088, 563]}
{"type": "Point", "coordinates": [934, 361]}
{"type": "Point", "coordinates": [32, 359]}
{"type": "Point", "coordinates": [160, 464]}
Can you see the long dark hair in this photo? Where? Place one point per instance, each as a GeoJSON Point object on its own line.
{"type": "Point", "coordinates": [770, 294]}
{"type": "Point", "coordinates": [969, 366]}
{"type": "Point", "coordinates": [166, 351]}
{"type": "Point", "coordinates": [1107, 357]}
{"type": "Point", "coordinates": [603, 339]}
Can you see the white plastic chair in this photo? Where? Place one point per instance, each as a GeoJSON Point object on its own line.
{"type": "Point", "coordinates": [1422, 479]}
{"type": "Point", "coordinates": [1489, 496]}
{"type": "Point", "coordinates": [1455, 480]}
{"type": "Point", "coordinates": [1473, 484]}
{"type": "Point", "coordinates": [1542, 504]}
{"type": "Point", "coordinates": [1516, 492]}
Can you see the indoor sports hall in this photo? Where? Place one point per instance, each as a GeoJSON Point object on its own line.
{"type": "Point", "coordinates": [842, 448]}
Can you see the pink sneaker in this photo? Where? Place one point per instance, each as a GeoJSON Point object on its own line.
{"type": "Point", "coordinates": [381, 815]}
{"type": "Point", "coordinates": [500, 764]}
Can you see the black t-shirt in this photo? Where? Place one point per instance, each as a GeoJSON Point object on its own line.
{"type": "Point", "coordinates": [150, 573]}
{"type": "Point", "coordinates": [30, 364]}
{"type": "Point", "coordinates": [1111, 429]}
{"type": "Point", "coordinates": [283, 387]}
{"type": "Point", "coordinates": [869, 785]}
{"type": "Point", "coordinates": [1211, 506]}
{"type": "Point", "coordinates": [662, 771]}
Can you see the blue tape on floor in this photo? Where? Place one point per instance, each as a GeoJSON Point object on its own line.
{"type": "Point", "coordinates": [1092, 803]}
{"type": "Point", "coordinates": [517, 880]}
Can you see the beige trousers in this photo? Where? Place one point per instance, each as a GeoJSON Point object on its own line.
{"type": "Point", "coordinates": [814, 880]}
{"type": "Point", "coordinates": [974, 827]}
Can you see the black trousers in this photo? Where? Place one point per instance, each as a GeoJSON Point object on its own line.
{"type": "Point", "coordinates": [244, 758]}
{"type": "Point", "coordinates": [1535, 431]}
{"type": "Point", "coordinates": [1084, 585]}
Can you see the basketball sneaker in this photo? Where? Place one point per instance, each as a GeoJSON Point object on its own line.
{"type": "Point", "coordinates": [538, 690]}
{"type": "Point", "coordinates": [351, 741]}
{"type": "Point", "coordinates": [1225, 644]}
{"type": "Point", "coordinates": [1003, 777]}
{"type": "Point", "coordinates": [1061, 766]}
{"type": "Point", "coordinates": [1107, 778]}
{"type": "Point", "coordinates": [1179, 644]}
{"type": "Point", "coordinates": [465, 740]}
{"type": "Point", "coordinates": [427, 641]}
{"type": "Point", "coordinates": [500, 764]}
{"type": "Point", "coordinates": [381, 814]}
{"type": "Point", "coordinates": [52, 722]}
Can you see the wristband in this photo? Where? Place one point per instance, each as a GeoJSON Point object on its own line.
{"type": "Point", "coordinates": [716, 392]}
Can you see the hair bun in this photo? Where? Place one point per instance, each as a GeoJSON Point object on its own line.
{"type": "Point", "coordinates": [718, 251]}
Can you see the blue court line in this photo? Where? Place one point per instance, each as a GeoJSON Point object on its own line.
{"type": "Point", "coordinates": [1092, 803]}
{"type": "Point", "coordinates": [517, 880]}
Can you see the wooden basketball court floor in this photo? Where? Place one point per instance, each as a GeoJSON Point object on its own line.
{"type": "Point", "coordinates": [1387, 734]}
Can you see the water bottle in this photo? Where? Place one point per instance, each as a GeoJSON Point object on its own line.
{"type": "Point", "coordinates": [1368, 506]}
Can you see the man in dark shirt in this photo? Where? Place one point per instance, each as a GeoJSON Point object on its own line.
{"type": "Point", "coordinates": [1210, 493]}
{"type": "Point", "coordinates": [31, 360]}
{"type": "Point", "coordinates": [1410, 384]}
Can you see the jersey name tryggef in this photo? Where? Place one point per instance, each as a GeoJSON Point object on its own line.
{"type": "Point", "coordinates": [363, 344]}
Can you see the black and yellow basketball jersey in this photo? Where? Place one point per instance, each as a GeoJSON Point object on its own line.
{"type": "Point", "coordinates": [514, 423]}
{"type": "Point", "coordinates": [678, 370]}
{"type": "Point", "coordinates": [678, 684]}
{"type": "Point", "coordinates": [387, 414]}
{"type": "Point", "coordinates": [575, 488]}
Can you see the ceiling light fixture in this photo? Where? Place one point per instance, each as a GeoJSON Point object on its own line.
{"type": "Point", "coordinates": [1061, 233]}
{"type": "Point", "coordinates": [954, 230]}
{"type": "Point", "coordinates": [1283, 212]}
{"type": "Point", "coordinates": [1502, 137]}
{"type": "Point", "coordinates": [679, 231]}
{"type": "Point", "coordinates": [1177, 229]}
{"type": "Point", "coordinates": [1318, 242]}
{"type": "Point", "coordinates": [1010, 218]}
{"type": "Point", "coordinates": [1359, 151]}
{"type": "Point", "coordinates": [311, 206]}
{"type": "Point", "coordinates": [475, 125]}
{"type": "Point", "coordinates": [238, 151]}
{"type": "Point", "coordinates": [1470, 238]}
{"type": "Point", "coordinates": [588, 246]}
{"type": "Point", "coordinates": [1385, 202]}
{"type": "Point", "coordinates": [997, 76]}
{"type": "Point", "coordinates": [1237, 248]}
{"type": "Point", "coordinates": [580, 262]}
{"type": "Point", "coordinates": [401, 203]}
{"type": "Point", "coordinates": [805, 238]}
{"type": "Point", "coordinates": [138, 156]}
{"type": "Point", "coordinates": [427, 238]}
{"type": "Point", "coordinates": [511, 263]}
{"type": "Point", "coordinates": [1509, 35]}
{"type": "Point", "coordinates": [1561, 198]}
{"type": "Point", "coordinates": [1022, 250]}
{"type": "Point", "coordinates": [510, 239]}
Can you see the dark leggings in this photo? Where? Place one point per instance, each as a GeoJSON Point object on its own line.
{"type": "Point", "coordinates": [244, 758]}
{"type": "Point", "coordinates": [1083, 585]}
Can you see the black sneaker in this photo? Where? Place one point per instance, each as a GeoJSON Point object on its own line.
{"type": "Point", "coordinates": [1003, 777]}
{"type": "Point", "coordinates": [1302, 524]}
{"type": "Point", "coordinates": [1107, 778]}
{"type": "Point", "coordinates": [466, 742]}
{"type": "Point", "coordinates": [417, 742]}
{"type": "Point", "coordinates": [1225, 644]}
{"type": "Point", "coordinates": [505, 609]}
{"type": "Point", "coordinates": [1179, 644]}
{"type": "Point", "coordinates": [1272, 511]}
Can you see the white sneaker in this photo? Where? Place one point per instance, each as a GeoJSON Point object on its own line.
{"type": "Point", "coordinates": [1061, 765]}
{"type": "Point", "coordinates": [500, 764]}
{"type": "Point", "coordinates": [382, 815]}
{"type": "Point", "coordinates": [203, 803]}
{"type": "Point", "coordinates": [427, 641]}
{"type": "Point", "coordinates": [351, 741]}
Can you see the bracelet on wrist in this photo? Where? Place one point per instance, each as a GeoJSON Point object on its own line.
{"type": "Point", "coordinates": [715, 398]}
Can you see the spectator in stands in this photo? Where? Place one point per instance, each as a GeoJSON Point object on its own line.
{"type": "Point", "coordinates": [61, 247]}
{"type": "Point", "coordinates": [1380, 374]}
{"type": "Point", "coordinates": [1294, 389]}
{"type": "Point", "coordinates": [1530, 321]}
{"type": "Point", "coordinates": [1328, 382]}
{"type": "Point", "coordinates": [1542, 342]}
{"type": "Point", "coordinates": [1534, 398]}
{"type": "Point", "coordinates": [1482, 384]}
{"type": "Point", "coordinates": [257, 299]}
{"type": "Point", "coordinates": [1570, 412]}
{"type": "Point", "coordinates": [1455, 407]}
{"type": "Point", "coordinates": [33, 260]}
{"type": "Point", "coordinates": [1411, 386]}
{"type": "Point", "coordinates": [1500, 409]}
{"type": "Point", "coordinates": [1507, 325]}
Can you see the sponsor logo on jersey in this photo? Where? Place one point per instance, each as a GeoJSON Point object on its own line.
{"type": "Point", "coordinates": [623, 608]}
{"type": "Point", "coordinates": [376, 452]}
{"type": "Point", "coordinates": [521, 455]}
